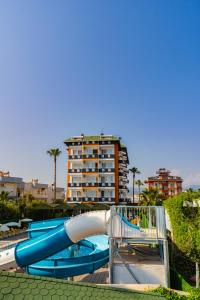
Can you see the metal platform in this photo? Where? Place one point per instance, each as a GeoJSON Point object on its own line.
{"type": "Point", "coordinates": [139, 254]}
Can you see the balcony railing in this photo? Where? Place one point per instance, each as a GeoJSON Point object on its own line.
{"type": "Point", "coordinates": [106, 170]}
{"type": "Point", "coordinates": [90, 170]}
{"type": "Point", "coordinates": [91, 199]}
{"type": "Point", "coordinates": [91, 155]}
{"type": "Point", "coordinates": [106, 156]}
{"type": "Point", "coordinates": [106, 184]}
{"type": "Point", "coordinates": [138, 222]}
{"type": "Point", "coordinates": [76, 156]}
{"type": "Point", "coordinates": [91, 184]}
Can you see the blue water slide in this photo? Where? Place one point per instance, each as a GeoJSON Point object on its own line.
{"type": "Point", "coordinates": [90, 255]}
{"type": "Point", "coordinates": [38, 228]}
{"type": "Point", "coordinates": [36, 249]}
{"type": "Point", "coordinates": [128, 223]}
{"type": "Point", "coordinates": [50, 251]}
{"type": "Point", "coordinates": [67, 247]}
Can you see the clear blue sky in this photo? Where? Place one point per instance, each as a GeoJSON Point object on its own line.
{"type": "Point", "coordinates": [131, 68]}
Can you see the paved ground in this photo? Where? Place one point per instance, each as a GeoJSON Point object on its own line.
{"type": "Point", "coordinates": [11, 267]}
{"type": "Point", "coordinates": [7, 251]}
{"type": "Point", "coordinates": [13, 240]}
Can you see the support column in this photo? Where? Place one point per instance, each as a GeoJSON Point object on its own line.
{"type": "Point", "coordinates": [111, 259]}
{"type": "Point", "coordinates": [166, 263]}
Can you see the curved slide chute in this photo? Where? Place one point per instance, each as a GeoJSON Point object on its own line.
{"type": "Point", "coordinates": [61, 237]}
{"type": "Point", "coordinates": [47, 251]}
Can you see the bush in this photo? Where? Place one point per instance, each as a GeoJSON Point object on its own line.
{"type": "Point", "coordinates": [8, 211]}
{"type": "Point", "coordinates": [194, 294]}
{"type": "Point", "coordinates": [185, 222]}
{"type": "Point", "coordinates": [169, 294]}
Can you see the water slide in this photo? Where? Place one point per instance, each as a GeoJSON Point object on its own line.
{"type": "Point", "coordinates": [69, 247]}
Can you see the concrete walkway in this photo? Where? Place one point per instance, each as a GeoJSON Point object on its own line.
{"type": "Point", "coordinates": [13, 240]}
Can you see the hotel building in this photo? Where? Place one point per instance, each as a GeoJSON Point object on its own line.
{"type": "Point", "coordinates": [168, 185]}
{"type": "Point", "coordinates": [14, 186]}
{"type": "Point", "coordinates": [43, 191]}
{"type": "Point", "coordinates": [97, 169]}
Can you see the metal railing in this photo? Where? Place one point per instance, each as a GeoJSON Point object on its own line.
{"type": "Point", "coordinates": [138, 222]}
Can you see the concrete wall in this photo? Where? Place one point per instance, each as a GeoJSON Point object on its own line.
{"type": "Point", "coordinates": [10, 188]}
{"type": "Point", "coordinates": [145, 274]}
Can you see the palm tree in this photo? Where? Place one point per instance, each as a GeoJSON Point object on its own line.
{"type": "Point", "coordinates": [151, 196]}
{"type": "Point", "coordinates": [139, 183]}
{"type": "Point", "coordinates": [134, 171]}
{"type": "Point", "coordinates": [54, 152]}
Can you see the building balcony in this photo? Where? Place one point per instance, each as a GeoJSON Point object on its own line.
{"type": "Point", "coordinates": [123, 175]}
{"type": "Point", "coordinates": [106, 184]}
{"type": "Point", "coordinates": [75, 156]}
{"type": "Point", "coordinates": [106, 170]}
{"type": "Point", "coordinates": [91, 199]}
{"type": "Point", "coordinates": [88, 156]}
{"type": "Point", "coordinates": [80, 142]}
{"type": "Point", "coordinates": [75, 170]}
{"type": "Point", "coordinates": [106, 199]}
{"type": "Point", "coordinates": [91, 184]}
{"type": "Point", "coordinates": [123, 200]}
{"type": "Point", "coordinates": [88, 184]}
{"type": "Point", "coordinates": [102, 156]}
{"type": "Point", "coordinates": [91, 170]}
{"type": "Point", "coordinates": [74, 184]}
{"type": "Point", "coordinates": [94, 155]}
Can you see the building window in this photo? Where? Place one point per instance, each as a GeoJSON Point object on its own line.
{"type": "Point", "coordinates": [108, 179]}
{"type": "Point", "coordinates": [91, 179]}
{"type": "Point", "coordinates": [91, 193]}
{"type": "Point", "coordinates": [77, 152]}
{"type": "Point", "coordinates": [76, 165]}
{"type": "Point", "coordinates": [90, 165]}
{"type": "Point", "coordinates": [107, 194]}
{"type": "Point", "coordinates": [76, 179]}
{"type": "Point", "coordinates": [107, 165]}
{"type": "Point", "coordinates": [76, 194]}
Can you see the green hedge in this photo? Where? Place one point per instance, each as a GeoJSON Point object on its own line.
{"type": "Point", "coordinates": [178, 282]}
{"type": "Point", "coordinates": [194, 294]}
{"type": "Point", "coordinates": [185, 221]}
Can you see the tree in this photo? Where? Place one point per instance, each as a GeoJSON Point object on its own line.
{"type": "Point", "coordinates": [151, 196]}
{"type": "Point", "coordinates": [134, 171]}
{"type": "Point", "coordinates": [4, 196]}
{"type": "Point", "coordinates": [139, 183]}
{"type": "Point", "coordinates": [54, 152]}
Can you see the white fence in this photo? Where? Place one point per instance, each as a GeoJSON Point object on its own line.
{"type": "Point", "coordinates": [138, 222]}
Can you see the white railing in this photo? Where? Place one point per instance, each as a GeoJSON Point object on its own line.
{"type": "Point", "coordinates": [138, 222]}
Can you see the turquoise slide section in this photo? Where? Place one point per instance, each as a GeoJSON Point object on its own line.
{"type": "Point", "coordinates": [50, 252]}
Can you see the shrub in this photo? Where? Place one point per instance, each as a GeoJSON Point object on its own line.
{"type": "Point", "coordinates": [169, 294]}
{"type": "Point", "coordinates": [194, 294]}
{"type": "Point", "coordinates": [185, 222]}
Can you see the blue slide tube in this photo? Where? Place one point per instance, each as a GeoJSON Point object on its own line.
{"type": "Point", "coordinates": [33, 250]}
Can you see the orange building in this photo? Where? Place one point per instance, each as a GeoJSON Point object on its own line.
{"type": "Point", "coordinates": [169, 185]}
{"type": "Point", "coordinates": [97, 169]}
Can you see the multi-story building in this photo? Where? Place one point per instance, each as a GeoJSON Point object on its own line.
{"type": "Point", "coordinates": [36, 189]}
{"type": "Point", "coordinates": [97, 169]}
{"type": "Point", "coordinates": [168, 185]}
{"type": "Point", "coordinates": [14, 186]}
{"type": "Point", "coordinates": [43, 191]}
{"type": "Point", "coordinates": [60, 193]}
